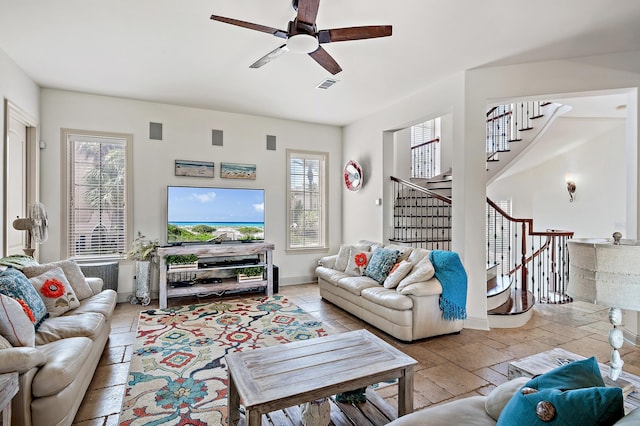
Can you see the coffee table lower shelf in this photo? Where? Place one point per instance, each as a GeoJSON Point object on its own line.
{"type": "Point", "coordinates": [375, 412]}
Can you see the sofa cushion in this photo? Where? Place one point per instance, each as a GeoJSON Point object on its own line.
{"type": "Point", "coordinates": [355, 285]}
{"type": "Point", "coordinates": [358, 261]}
{"type": "Point", "coordinates": [422, 271]}
{"type": "Point", "coordinates": [423, 288]}
{"type": "Point", "coordinates": [576, 394]}
{"type": "Point", "coordinates": [330, 275]}
{"type": "Point", "coordinates": [381, 263]}
{"type": "Point", "coordinates": [15, 325]}
{"type": "Point", "coordinates": [88, 324]}
{"type": "Point", "coordinates": [71, 270]}
{"type": "Point", "coordinates": [55, 291]}
{"type": "Point", "coordinates": [397, 273]}
{"type": "Point", "coordinates": [466, 411]}
{"type": "Point", "coordinates": [64, 360]}
{"type": "Point", "coordinates": [387, 297]}
{"type": "Point", "coordinates": [13, 283]}
{"type": "Point", "coordinates": [103, 303]}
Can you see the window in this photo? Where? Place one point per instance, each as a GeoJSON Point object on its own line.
{"type": "Point", "coordinates": [97, 211]}
{"type": "Point", "coordinates": [425, 149]}
{"type": "Point", "coordinates": [306, 209]}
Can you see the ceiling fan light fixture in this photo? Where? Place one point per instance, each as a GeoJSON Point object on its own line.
{"type": "Point", "coordinates": [302, 43]}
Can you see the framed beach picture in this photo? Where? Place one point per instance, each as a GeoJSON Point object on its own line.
{"type": "Point", "coordinates": [194, 168]}
{"type": "Point", "coordinates": [237, 171]}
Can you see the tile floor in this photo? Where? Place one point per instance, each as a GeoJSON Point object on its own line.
{"type": "Point", "coordinates": [450, 367]}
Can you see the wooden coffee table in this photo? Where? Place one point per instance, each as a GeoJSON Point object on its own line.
{"type": "Point", "coordinates": [548, 360]}
{"type": "Point", "coordinates": [277, 377]}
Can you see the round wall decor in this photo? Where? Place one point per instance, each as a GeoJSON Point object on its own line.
{"type": "Point", "coordinates": [353, 175]}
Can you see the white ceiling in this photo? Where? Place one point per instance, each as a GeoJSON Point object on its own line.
{"type": "Point", "coordinates": [171, 52]}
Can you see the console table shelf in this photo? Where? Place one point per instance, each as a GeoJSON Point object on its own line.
{"type": "Point", "coordinates": [263, 249]}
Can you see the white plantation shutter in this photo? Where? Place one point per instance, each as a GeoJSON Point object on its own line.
{"type": "Point", "coordinates": [425, 161]}
{"type": "Point", "coordinates": [97, 207]}
{"type": "Point", "coordinates": [306, 201]}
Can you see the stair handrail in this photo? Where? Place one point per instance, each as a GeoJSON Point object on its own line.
{"type": "Point", "coordinates": [421, 189]}
{"type": "Point", "coordinates": [550, 236]}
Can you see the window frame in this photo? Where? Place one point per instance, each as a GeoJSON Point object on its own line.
{"type": "Point", "coordinates": [65, 208]}
{"type": "Point", "coordinates": [323, 191]}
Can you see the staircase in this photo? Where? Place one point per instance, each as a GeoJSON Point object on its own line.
{"type": "Point", "coordinates": [523, 265]}
{"type": "Point", "coordinates": [513, 129]}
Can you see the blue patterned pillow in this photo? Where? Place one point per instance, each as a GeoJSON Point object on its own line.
{"type": "Point", "coordinates": [14, 284]}
{"type": "Point", "coordinates": [382, 260]}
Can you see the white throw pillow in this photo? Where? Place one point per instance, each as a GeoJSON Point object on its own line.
{"type": "Point", "coordinates": [345, 252]}
{"type": "Point", "coordinates": [71, 270]}
{"type": "Point", "coordinates": [15, 325]}
{"type": "Point", "coordinates": [422, 271]}
{"type": "Point", "coordinates": [55, 291]}
{"type": "Point", "coordinates": [397, 273]}
{"type": "Point", "coordinates": [358, 261]}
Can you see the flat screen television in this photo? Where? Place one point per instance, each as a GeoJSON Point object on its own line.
{"type": "Point", "coordinates": [199, 214]}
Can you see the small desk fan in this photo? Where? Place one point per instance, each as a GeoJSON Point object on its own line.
{"type": "Point", "coordinates": [36, 226]}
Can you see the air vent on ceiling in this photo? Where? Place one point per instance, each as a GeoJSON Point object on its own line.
{"type": "Point", "coordinates": [327, 83]}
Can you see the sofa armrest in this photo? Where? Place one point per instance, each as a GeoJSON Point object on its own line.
{"type": "Point", "coordinates": [20, 359]}
{"type": "Point", "coordinates": [423, 288]}
{"type": "Point", "coordinates": [328, 261]}
{"type": "Point", "coordinates": [95, 283]}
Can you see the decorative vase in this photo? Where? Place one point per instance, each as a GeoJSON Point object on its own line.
{"type": "Point", "coordinates": [143, 280]}
{"type": "Point", "coordinates": [316, 413]}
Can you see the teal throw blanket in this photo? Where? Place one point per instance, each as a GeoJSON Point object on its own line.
{"type": "Point", "coordinates": [453, 277]}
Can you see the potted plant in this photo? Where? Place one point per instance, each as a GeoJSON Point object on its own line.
{"type": "Point", "coordinates": [250, 273]}
{"type": "Point", "coordinates": [142, 251]}
{"type": "Point", "coordinates": [181, 261]}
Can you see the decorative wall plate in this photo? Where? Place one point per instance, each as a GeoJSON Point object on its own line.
{"type": "Point", "coordinates": [353, 175]}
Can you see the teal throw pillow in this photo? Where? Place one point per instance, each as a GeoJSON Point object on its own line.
{"type": "Point", "coordinates": [381, 262]}
{"type": "Point", "coordinates": [573, 394]}
{"type": "Point", "coordinates": [16, 285]}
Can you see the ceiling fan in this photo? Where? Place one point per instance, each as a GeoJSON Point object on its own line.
{"type": "Point", "coordinates": [303, 36]}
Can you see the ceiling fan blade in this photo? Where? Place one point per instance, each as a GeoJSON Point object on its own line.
{"type": "Point", "coordinates": [322, 57]}
{"type": "Point", "coordinates": [274, 31]}
{"type": "Point", "coordinates": [354, 33]}
{"type": "Point", "coordinates": [270, 56]}
{"type": "Point", "coordinates": [308, 11]}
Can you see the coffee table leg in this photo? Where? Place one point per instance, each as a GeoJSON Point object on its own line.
{"type": "Point", "coordinates": [233, 402]}
{"type": "Point", "coordinates": [254, 418]}
{"type": "Point", "coordinates": [405, 392]}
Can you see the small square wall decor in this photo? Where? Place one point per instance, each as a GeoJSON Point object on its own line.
{"type": "Point", "coordinates": [237, 171]}
{"type": "Point", "coordinates": [194, 168]}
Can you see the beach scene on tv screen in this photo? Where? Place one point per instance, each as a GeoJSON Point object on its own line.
{"type": "Point", "coordinates": [203, 214]}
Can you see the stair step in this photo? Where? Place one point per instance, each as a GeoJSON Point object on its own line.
{"type": "Point", "coordinates": [537, 116]}
{"type": "Point", "coordinates": [520, 301]}
{"type": "Point", "coordinates": [514, 140]}
{"type": "Point", "coordinates": [419, 240]}
{"type": "Point", "coordinates": [525, 129]}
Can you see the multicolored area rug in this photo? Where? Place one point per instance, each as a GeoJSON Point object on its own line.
{"type": "Point", "coordinates": [178, 374]}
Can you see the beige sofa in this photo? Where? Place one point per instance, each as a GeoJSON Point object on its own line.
{"type": "Point", "coordinates": [480, 410]}
{"type": "Point", "coordinates": [57, 364]}
{"type": "Point", "coordinates": [408, 312]}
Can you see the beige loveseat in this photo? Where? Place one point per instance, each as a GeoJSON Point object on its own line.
{"type": "Point", "coordinates": [55, 363]}
{"type": "Point", "coordinates": [480, 410]}
{"type": "Point", "coordinates": [408, 312]}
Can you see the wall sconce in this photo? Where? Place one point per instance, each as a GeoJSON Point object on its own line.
{"type": "Point", "coordinates": [571, 187]}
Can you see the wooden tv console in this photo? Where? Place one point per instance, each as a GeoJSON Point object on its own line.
{"type": "Point", "coordinates": [264, 251]}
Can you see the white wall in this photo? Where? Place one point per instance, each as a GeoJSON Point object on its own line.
{"type": "Point", "coordinates": [187, 136]}
{"type": "Point", "coordinates": [599, 170]}
{"type": "Point", "coordinates": [17, 88]}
